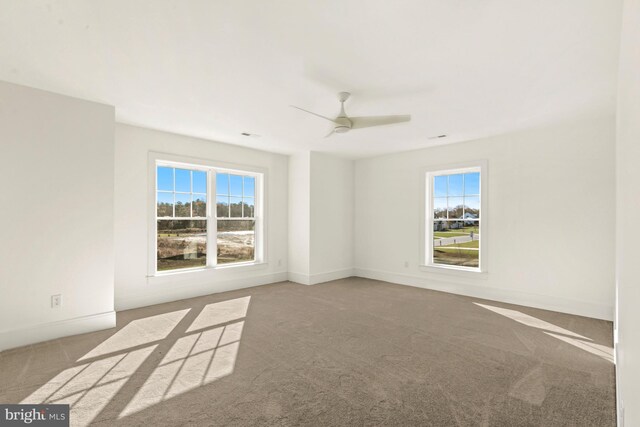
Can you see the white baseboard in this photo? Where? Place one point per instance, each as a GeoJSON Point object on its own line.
{"type": "Point", "coordinates": [331, 275]}
{"type": "Point", "coordinates": [177, 289]}
{"type": "Point", "coordinates": [545, 302]}
{"type": "Point", "coordinates": [314, 279]}
{"type": "Point", "coordinates": [52, 330]}
{"type": "Point", "coordinates": [303, 279]}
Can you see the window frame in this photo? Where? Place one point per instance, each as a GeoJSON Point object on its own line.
{"type": "Point", "coordinates": [427, 221]}
{"type": "Point", "coordinates": [211, 168]}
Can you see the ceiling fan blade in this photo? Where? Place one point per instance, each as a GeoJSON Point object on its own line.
{"type": "Point", "coordinates": [370, 121]}
{"type": "Point", "coordinates": [315, 114]}
{"type": "Point", "coordinates": [330, 133]}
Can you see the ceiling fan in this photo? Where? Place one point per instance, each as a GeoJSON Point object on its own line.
{"type": "Point", "coordinates": [344, 123]}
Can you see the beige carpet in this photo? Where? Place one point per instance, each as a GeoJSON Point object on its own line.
{"type": "Point", "coordinates": [349, 352]}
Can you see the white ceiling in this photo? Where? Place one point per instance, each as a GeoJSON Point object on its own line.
{"type": "Point", "coordinates": [214, 69]}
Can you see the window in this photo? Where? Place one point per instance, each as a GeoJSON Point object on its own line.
{"type": "Point", "coordinates": [191, 231]}
{"type": "Point", "coordinates": [235, 208]}
{"type": "Point", "coordinates": [454, 232]}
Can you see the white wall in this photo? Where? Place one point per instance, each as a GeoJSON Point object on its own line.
{"type": "Point", "coordinates": [332, 217]}
{"type": "Point", "coordinates": [133, 287]}
{"type": "Point", "coordinates": [321, 212]}
{"type": "Point", "coordinates": [628, 205]}
{"type": "Point", "coordinates": [551, 217]}
{"type": "Point", "coordinates": [56, 169]}
{"type": "Point", "coordinates": [299, 216]}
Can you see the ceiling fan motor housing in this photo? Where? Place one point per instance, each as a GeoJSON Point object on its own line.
{"type": "Point", "coordinates": [343, 125]}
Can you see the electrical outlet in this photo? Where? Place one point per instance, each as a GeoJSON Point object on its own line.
{"type": "Point", "coordinates": [56, 301]}
{"type": "Point", "coordinates": [406, 264]}
{"type": "Point", "coordinates": [280, 263]}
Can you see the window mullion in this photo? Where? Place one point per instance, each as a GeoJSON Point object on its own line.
{"type": "Point", "coordinates": [173, 173]}
{"type": "Point", "coordinates": [463, 197]}
{"type": "Point", "coordinates": [212, 221]}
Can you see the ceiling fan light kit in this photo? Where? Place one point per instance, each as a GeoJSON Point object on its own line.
{"type": "Point", "coordinates": [344, 123]}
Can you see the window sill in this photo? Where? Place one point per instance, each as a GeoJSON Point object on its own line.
{"type": "Point", "coordinates": [190, 272]}
{"type": "Point", "coordinates": [455, 271]}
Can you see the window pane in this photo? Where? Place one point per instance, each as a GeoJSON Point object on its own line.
{"type": "Point", "coordinates": [235, 185]}
{"type": "Point", "coordinates": [165, 204]}
{"type": "Point", "coordinates": [455, 207]}
{"type": "Point", "coordinates": [164, 178]}
{"type": "Point", "coordinates": [440, 186]}
{"type": "Point", "coordinates": [183, 205]}
{"type": "Point", "coordinates": [248, 207]}
{"type": "Point", "coordinates": [222, 206]}
{"type": "Point", "coordinates": [455, 185]}
{"type": "Point", "coordinates": [459, 246]}
{"type": "Point", "coordinates": [249, 186]}
{"type": "Point", "coordinates": [440, 207]}
{"type": "Point", "coordinates": [235, 204]}
{"type": "Point", "coordinates": [199, 205]}
{"type": "Point", "coordinates": [181, 244]}
{"type": "Point", "coordinates": [222, 183]}
{"type": "Point", "coordinates": [472, 183]}
{"type": "Point", "coordinates": [236, 241]}
{"type": "Point", "coordinates": [472, 207]}
{"type": "Point", "coordinates": [199, 182]}
{"type": "Point", "coordinates": [183, 180]}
